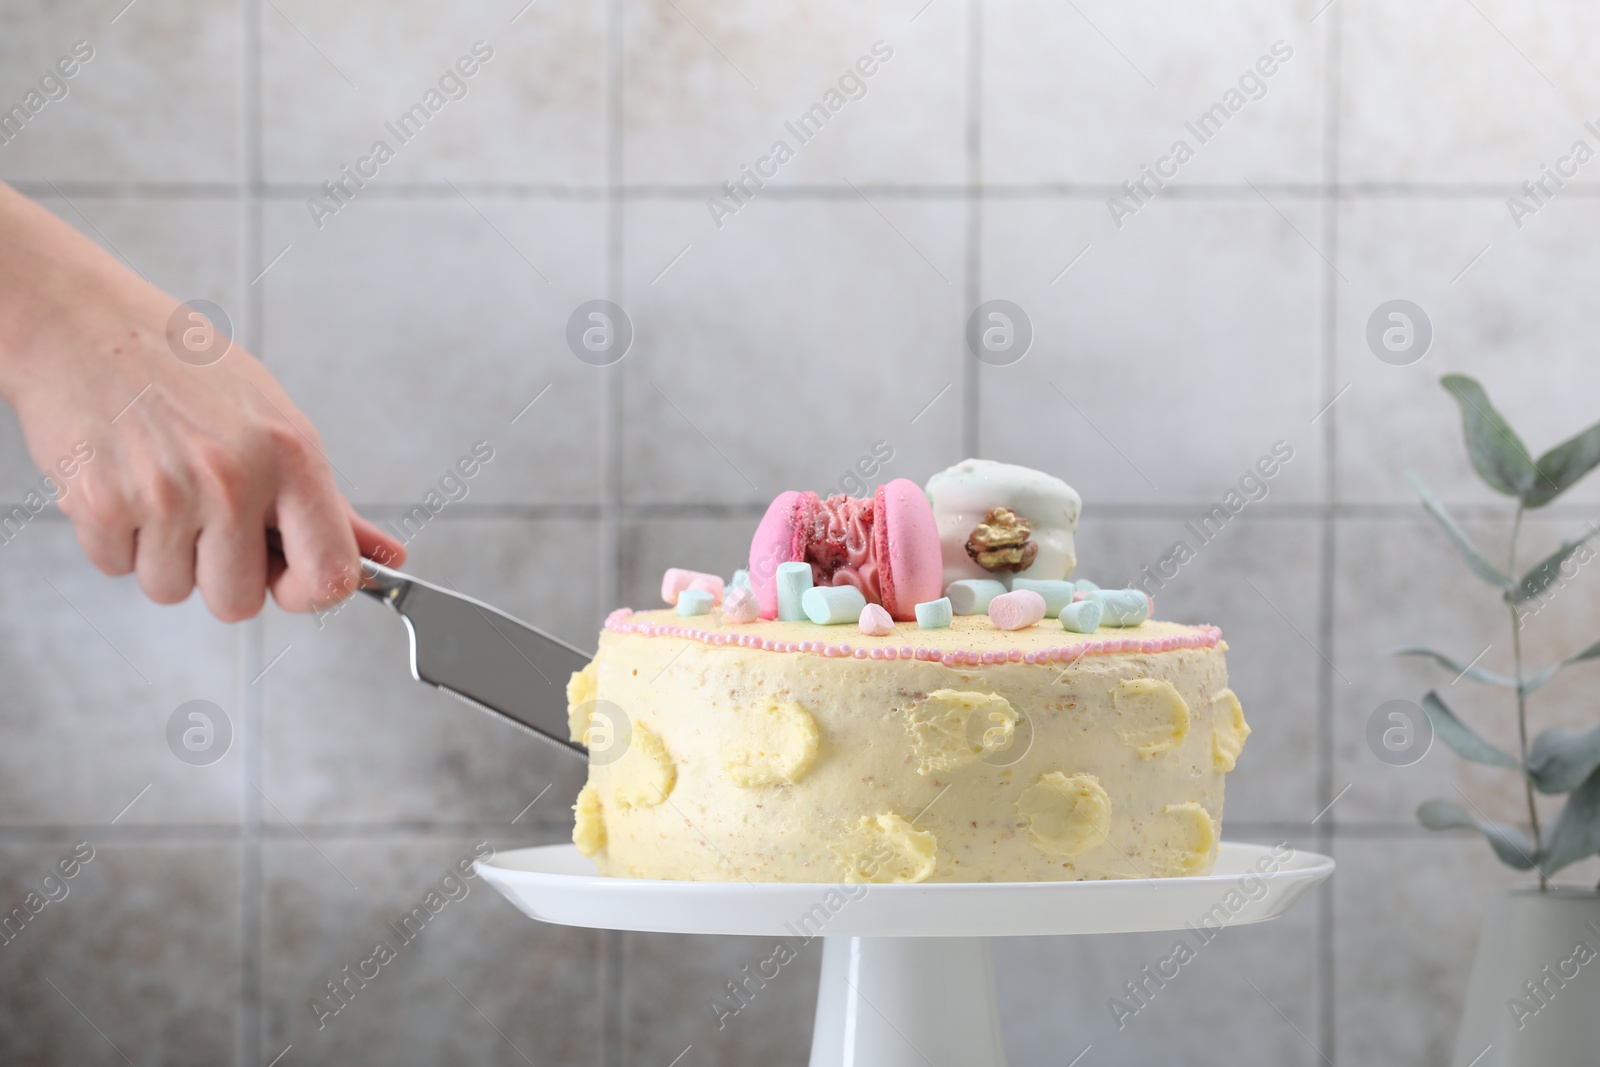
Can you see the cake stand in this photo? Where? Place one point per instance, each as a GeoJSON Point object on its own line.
{"type": "Point", "coordinates": [907, 976]}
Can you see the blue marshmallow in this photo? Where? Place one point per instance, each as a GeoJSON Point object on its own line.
{"type": "Point", "coordinates": [1057, 594]}
{"type": "Point", "coordinates": [829, 605]}
{"type": "Point", "coordinates": [1081, 617]}
{"type": "Point", "coordinates": [741, 577]}
{"type": "Point", "coordinates": [934, 614]}
{"type": "Point", "coordinates": [971, 596]}
{"type": "Point", "coordinates": [695, 602]}
{"type": "Point", "coordinates": [1121, 607]}
{"type": "Point", "coordinates": [1084, 585]}
{"type": "Point", "coordinates": [792, 580]}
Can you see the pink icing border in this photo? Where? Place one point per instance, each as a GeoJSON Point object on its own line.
{"type": "Point", "coordinates": [619, 621]}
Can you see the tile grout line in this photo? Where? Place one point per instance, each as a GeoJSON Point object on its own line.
{"type": "Point", "coordinates": [252, 635]}
{"type": "Point", "coordinates": [1326, 1002]}
{"type": "Point", "coordinates": [608, 943]}
{"type": "Point", "coordinates": [556, 829]}
{"type": "Point", "coordinates": [250, 842]}
{"type": "Point", "coordinates": [533, 830]}
{"type": "Point", "coordinates": [971, 382]}
{"type": "Point", "coordinates": [437, 192]}
{"type": "Point", "coordinates": [1124, 511]}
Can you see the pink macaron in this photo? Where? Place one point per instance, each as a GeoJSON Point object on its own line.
{"type": "Point", "coordinates": [886, 546]}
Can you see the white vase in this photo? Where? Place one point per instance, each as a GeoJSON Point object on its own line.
{"type": "Point", "coordinates": [1534, 996]}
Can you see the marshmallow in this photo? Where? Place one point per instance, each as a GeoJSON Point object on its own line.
{"type": "Point", "coordinates": [677, 579]}
{"type": "Point", "coordinates": [963, 496]}
{"type": "Point", "coordinates": [792, 580]}
{"type": "Point", "coordinates": [828, 605]}
{"type": "Point", "coordinates": [934, 614]}
{"type": "Point", "coordinates": [876, 621]}
{"type": "Point", "coordinates": [1016, 609]}
{"type": "Point", "coordinates": [1084, 585]}
{"type": "Point", "coordinates": [694, 602]}
{"type": "Point", "coordinates": [741, 577]}
{"type": "Point", "coordinates": [740, 605]}
{"type": "Point", "coordinates": [1081, 617]}
{"type": "Point", "coordinates": [709, 583]}
{"type": "Point", "coordinates": [971, 596]}
{"type": "Point", "coordinates": [1120, 607]}
{"type": "Point", "coordinates": [1057, 594]}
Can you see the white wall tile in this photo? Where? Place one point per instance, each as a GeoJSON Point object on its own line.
{"type": "Point", "coordinates": [1168, 359]}
{"type": "Point", "coordinates": [93, 672]}
{"type": "Point", "coordinates": [1481, 92]}
{"type": "Point", "coordinates": [778, 350]}
{"type": "Point", "coordinates": [333, 76]}
{"type": "Point", "coordinates": [143, 950]}
{"type": "Point", "coordinates": [1089, 93]}
{"type": "Point", "coordinates": [1516, 319]}
{"type": "Point", "coordinates": [1055, 995]}
{"type": "Point", "coordinates": [710, 87]}
{"type": "Point", "coordinates": [407, 331]}
{"type": "Point", "coordinates": [670, 983]}
{"type": "Point", "coordinates": [158, 100]}
{"type": "Point", "coordinates": [536, 984]}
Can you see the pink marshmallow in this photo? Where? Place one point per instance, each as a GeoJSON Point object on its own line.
{"type": "Point", "coordinates": [875, 621]}
{"type": "Point", "coordinates": [1016, 609]}
{"type": "Point", "coordinates": [709, 583]}
{"type": "Point", "coordinates": [676, 580]}
{"type": "Point", "coordinates": [740, 605]}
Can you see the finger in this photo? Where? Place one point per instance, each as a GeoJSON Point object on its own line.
{"type": "Point", "coordinates": [231, 568]}
{"type": "Point", "coordinates": [104, 528]}
{"type": "Point", "coordinates": [163, 560]}
{"type": "Point", "coordinates": [375, 543]}
{"type": "Point", "coordinates": [108, 546]}
{"type": "Point", "coordinates": [319, 547]}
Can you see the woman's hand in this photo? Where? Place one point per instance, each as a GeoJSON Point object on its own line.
{"type": "Point", "coordinates": [192, 465]}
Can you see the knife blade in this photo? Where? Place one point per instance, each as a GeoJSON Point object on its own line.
{"type": "Point", "coordinates": [481, 655]}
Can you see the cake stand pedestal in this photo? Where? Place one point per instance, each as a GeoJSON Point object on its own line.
{"type": "Point", "coordinates": [907, 974]}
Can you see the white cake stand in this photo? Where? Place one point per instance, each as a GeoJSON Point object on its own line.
{"type": "Point", "coordinates": [907, 976]}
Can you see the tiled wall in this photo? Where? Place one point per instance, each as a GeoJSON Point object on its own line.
{"type": "Point", "coordinates": [828, 313]}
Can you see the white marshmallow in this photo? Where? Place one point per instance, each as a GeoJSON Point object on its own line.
{"type": "Point", "coordinates": [964, 494]}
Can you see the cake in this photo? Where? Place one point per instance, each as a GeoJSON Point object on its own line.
{"type": "Point", "coordinates": [962, 711]}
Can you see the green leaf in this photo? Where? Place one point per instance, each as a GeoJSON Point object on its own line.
{"type": "Point", "coordinates": [1561, 759]}
{"type": "Point", "coordinates": [1562, 466]}
{"type": "Point", "coordinates": [1461, 737]}
{"type": "Point", "coordinates": [1497, 453]}
{"type": "Point", "coordinates": [1477, 674]}
{"type": "Point", "coordinates": [1592, 652]}
{"type": "Point", "coordinates": [1575, 834]}
{"type": "Point", "coordinates": [1511, 843]}
{"type": "Point", "coordinates": [1482, 567]}
{"type": "Point", "coordinates": [1548, 571]}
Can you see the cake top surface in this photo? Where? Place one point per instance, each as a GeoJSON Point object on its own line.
{"type": "Point", "coordinates": [966, 637]}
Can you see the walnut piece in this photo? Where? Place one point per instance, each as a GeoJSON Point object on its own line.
{"type": "Point", "coordinates": [1000, 542]}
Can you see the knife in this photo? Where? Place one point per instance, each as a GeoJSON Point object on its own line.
{"type": "Point", "coordinates": [482, 656]}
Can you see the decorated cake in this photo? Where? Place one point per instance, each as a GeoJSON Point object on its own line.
{"type": "Point", "coordinates": [906, 687]}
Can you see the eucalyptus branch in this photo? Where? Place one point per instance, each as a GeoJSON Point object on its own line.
{"type": "Point", "coordinates": [1558, 760]}
{"type": "Point", "coordinates": [1522, 696]}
